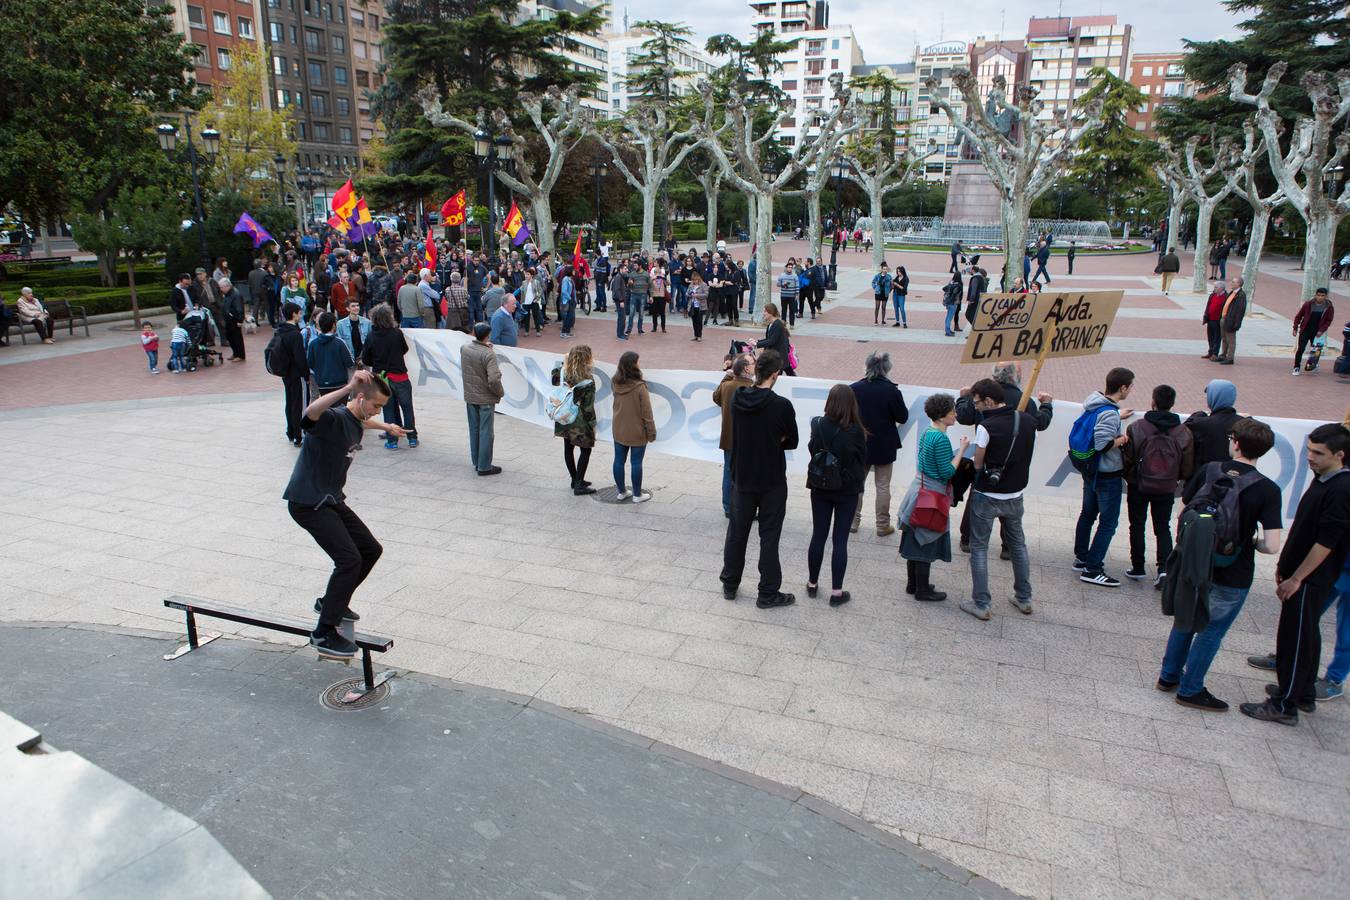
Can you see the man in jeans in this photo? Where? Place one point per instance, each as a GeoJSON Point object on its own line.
{"type": "Point", "coordinates": [482, 391]}
{"type": "Point", "coordinates": [1102, 489]}
{"type": "Point", "coordinates": [618, 290]}
{"type": "Point", "coordinates": [1159, 453]}
{"type": "Point", "coordinates": [1004, 442]}
{"type": "Point", "coordinates": [639, 291]}
{"type": "Point", "coordinates": [1188, 656]}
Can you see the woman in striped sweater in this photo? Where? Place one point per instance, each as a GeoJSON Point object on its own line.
{"type": "Point", "coordinates": [921, 547]}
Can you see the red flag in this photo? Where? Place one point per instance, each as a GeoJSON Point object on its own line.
{"type": "Point", "coordinates": [344, 201]}
{"type": "Point", "coordinates": [579, 265]}
{"type": "Point", "coordinates": [452, 210]}
{"type": "Point", "coordinates": [431, 250]}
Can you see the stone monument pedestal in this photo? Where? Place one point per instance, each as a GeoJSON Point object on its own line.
{"type": "Point", "coordinates": [972, 196]}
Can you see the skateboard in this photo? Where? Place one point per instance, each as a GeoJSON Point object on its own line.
{"type": "Point", "coordinates": [347, 628]}
{"type": "Point", "coordinates": [1314, 357]}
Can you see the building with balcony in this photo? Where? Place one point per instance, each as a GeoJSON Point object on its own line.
{"type": "Point", "coordinates": [215, 27]}
{"type": "Point", "coordinates": [1062, 51]}
{"type": "Point", "coordinates": [1161, 77]}
{"type": "Point", "coordinates": [626, 46]}
{"type": "Point", "coordinates": [929, 121]}
{"type": "Point", "coordinates": [871, 101]}
{"type": "Point", "coordinates": [588, 53]}
{"type": "Point", "coordinates": [365, 20]}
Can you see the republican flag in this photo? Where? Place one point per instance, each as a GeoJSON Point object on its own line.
{"type": "Point", "coordinates": [579, 265]}
{"type": "Point", "coordinates": [341, 224]}
{"type": "Point", "coordinates": [452, 210]}
{"type": "Point", "coordinates": [248, 225]}
{"type": "Point", "coordinates": [514, 225]}
{"type": "Point", "coordinates": [344, 202]}
{"type": "Point", "coordinates": [364, 227]}
{"type": "Point", "coordinates": [431, 250]}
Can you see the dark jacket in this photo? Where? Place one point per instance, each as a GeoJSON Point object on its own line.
{"type": "Point", "coordinates": [967, 414]}
{"type": "Point", "coordinates": [1211, 432]}
{"type": "Point", "coordinates": [1190, 567]}
{"type": "Point", "coordinates": [850, 447]}
{"type": "Point", "coordinates": [1169, 263]}
{"type": "Point", "coordinates": [329, 361]}
{"type": "Point", "coordinates": [1236, 308]}
{"type": "Point", "coordinates": [883, 407]}
{"type": "Point", "coordinates": [293, 345]}
{"type": "Point", "coordinates": [1163, 422]}
{"type": "Point", "coordinates": [384, 351]}
{"type": "Point", "coordinates": [1002, 452]}
{"type": "Point", "coordinates": [257, 285]}
{"type": "Point", "coordinates": [776, 339]}
{"type": "Point", "coordinates": [232, 305]}
{"type": "Point", "coordinates": [763, 427]}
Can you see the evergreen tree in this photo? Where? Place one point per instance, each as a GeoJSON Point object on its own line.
{"type": "Point", "coordinates": [654, 69]}
{"type": "Point", "coordinates": [473, 53]}
{"type": "Point", "coordinates": [1113, 159]}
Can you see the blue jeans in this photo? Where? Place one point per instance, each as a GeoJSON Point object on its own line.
{"type": "Point", "coordinates": [475, 307]}
{"type": "Point", "coordinates": [410, 322]}
{"type": "Point", "coordinates": [726, 482]}
{"type": "Point", "coordinates": [899, 301]}
{"type": "Point", "coordinates": [152, 356]}
{"type": "Point", "coordinates": [399, 409]}
{"type": "Point", "coordinates": [950, 319]}
{"type": "Point", "coordinates": [682, 297]}
{"type": "Point", "coordinates": [983, 512]}
{"type": "Point", "coordinates": [1188, 656]}
{"type": "Point", "coordinates": [621, 452]}
{"type": "Point", "coordinates": [569, 317]}
{"type": "Point", "coordinates": [620, 318]}
{"type": "Point", "coordinates": [600, 302]}
{"type": "Point", "coordinates": [178, 357]}
{"type": "Point", "coordinates": [1101, 503]}
{"type": "Point", "coordinates": [751, 308]}
{"type": "Point", "coordinates": [1340, 659]}
{"type": "Point", "coordinates": [1223, 269]}
{"type": "Point", "coordinates": [635, 305]}
{"type": "Point", "coordinates": [480, 435]}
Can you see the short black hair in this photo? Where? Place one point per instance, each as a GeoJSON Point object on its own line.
{"type": "Point", "coordinates": [327, 321]}
{"type": "Point", "coordinates": [289, 309]}
{"type": "Point", "coordinates": [1118, 378]}
{"type": "Point", "coordinates": [938, 405]}
{"type": "Point", "coordinates": [1334, 436]}
{"type": "Point", "coordinates": [1254, 438]}
{"type": "Point", "coordinates": [481, 330]}
{"type": "Point", "coordinates": [767, 365]}
{"type": "Point", "coordinates": [988, 389]}
{"type": "Point", "coordinates": [1164, 397]}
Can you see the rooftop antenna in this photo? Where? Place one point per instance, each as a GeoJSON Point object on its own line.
{"type": "Point", "coordinates": [1002, 22]}
{"type": "Point", "coordinates": [942, 25]}
{"type": "Point", "coordinates": [625, 19]}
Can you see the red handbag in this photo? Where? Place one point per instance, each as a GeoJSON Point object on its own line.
{"type": "Point", "coordinates": [931, 509]}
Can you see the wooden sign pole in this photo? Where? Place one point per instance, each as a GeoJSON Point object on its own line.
{"type": "Point", "coordinates": [1036, 370]}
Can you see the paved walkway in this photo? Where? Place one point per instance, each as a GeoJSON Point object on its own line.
{"type": "Point", "coordinates": [441, 791]}
{"type": "Point", "coordinates": [1032, 750]}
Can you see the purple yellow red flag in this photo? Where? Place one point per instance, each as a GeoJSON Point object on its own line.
{"type": "Point", "coordinates": [579, 265]}
{"type": "Point", "coordinates": [344, 201]}
{"type": "Point", "coordinates": [514, 225]}
{"type": "Point", "coordinates": [248, 225]}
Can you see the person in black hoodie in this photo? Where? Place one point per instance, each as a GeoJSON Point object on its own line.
{"type": "Point", "coordinates": [1159, 455]}
{"type": "Point", "coordinates": [383, 354]}
{"type": "Point", "coordinates": [1211, 430]}
{"type": "Point", "coordinates": [763, 427]}
{"type": "Point", "coordinates": [839, 431]}
{"type": "Point", "coordinates": [292, 346]}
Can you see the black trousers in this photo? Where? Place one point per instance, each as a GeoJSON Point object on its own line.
{"type": "Point", "coordinates": [771, 507]}
{"type": "Point", "coordinates": [1214, 336]}
{"type": "Point", "coordinates": [1140, 506]}
{"type": "Point", "coordinates": [827, 506]}
{"type": "Point", "coordinates": [1305, 338]}
{"type": "Point", "coordinates": [696, 318]}
{"type": "Point", "coordinates": [295, 393]}
{"type": "Point", "coordinates": [348, 542]}
{"type": "Point", "coordinates": [1298, 644]}
{"type": "Point", "coordinates": [576, 467]}
{"type": "Point", "coordinates": [659, 312]}
{"type": "Point", "coordinates": [234, 336]}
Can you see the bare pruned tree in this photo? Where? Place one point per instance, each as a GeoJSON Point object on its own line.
{"type": "Point", "coordinates": [1177, 198]}
{"type": "Point", "coordinates": [1310, 172]}
{"type": "Point", "coordinates": [1203, 183]}
{"type": "Point", "coordinates": [878, 173]}
{"type": "Point", "coordinates": [559, 121]}
{"type": "Point", "coordinates": [1022, 150]}
{"type": "Point", "coordinates": [1240, 169]}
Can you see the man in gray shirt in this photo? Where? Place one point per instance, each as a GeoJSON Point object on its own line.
{"type": "Point", "coordinates": [409, 302]}
{"type": "Point", "coordinates": [1102, 490]}
{"type": "Point", "coordinates": [494, 295]}
{"type": "Point", "coordinates": [639, 292]}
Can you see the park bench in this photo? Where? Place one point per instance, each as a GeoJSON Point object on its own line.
{"type": "Point", "coordinates": [193, 607]}
{"type": "Point", "coordinates": [61, 310]}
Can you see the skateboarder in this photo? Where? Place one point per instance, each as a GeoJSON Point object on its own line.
{"type": "Point", "coordinates": [332, 436]}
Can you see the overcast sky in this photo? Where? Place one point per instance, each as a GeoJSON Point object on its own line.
{"type": "Point", "coordinates": [889, 30]}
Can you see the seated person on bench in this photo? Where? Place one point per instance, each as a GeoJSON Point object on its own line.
{"type": "Point", "coordinates": [32, 312]}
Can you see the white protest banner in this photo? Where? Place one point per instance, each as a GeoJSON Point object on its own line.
{"type": "Point", "coordinates": [688, 423]}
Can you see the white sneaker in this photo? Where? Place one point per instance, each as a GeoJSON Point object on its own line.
{"type": "Point", "coordinates": [623, 495]}
{"type": "Point", "coordinates": [642, 498]}
{"type": "Point", "coordinates": [1298, 372]}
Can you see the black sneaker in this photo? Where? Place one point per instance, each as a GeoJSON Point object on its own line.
{"type": "Point", "coordinates": [1166, 686]}
{"type": "Point", "coordinates": [1268, 712]}
{"type": "Point", "coordinates": [1264, 663]}
{"type": "Point", "coordinates": [348, 615]}
{"type": "Point", "coordinates": [1137, 573]}
{"type": "Point", "coordinates": [1079, 565]}
{"type": "Point", "coordinates": [965, 546]}
{"type": "Point", "coordinates": [1203, 700]}
{"type": "Point", "coordinates": [1101, 579]}
{"type": "Point", "coordinates": [728, 593]}
{"type": "Point", "coordinates": [840, 599]}
{"type": "Point", "coordinates": [1306, 706]}
{"type": "Point", "coordinates": [1005, 553]}
{"type": "Point", "coordinates": [778, 599]}
{"type": "Point", "coordinates": [332, 645]}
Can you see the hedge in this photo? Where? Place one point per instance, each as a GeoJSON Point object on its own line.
{"type": "Point", "coordinates": [80, 283]}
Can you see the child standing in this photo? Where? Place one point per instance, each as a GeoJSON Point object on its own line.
{"type": "Point", "coordinates": [150, 344]}
{"type": "Point", "coordinates": [178, 343]}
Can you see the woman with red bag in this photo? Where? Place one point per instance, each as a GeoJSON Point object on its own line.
{"type": "Point", "coordinates": [838, 468]}
{"type": "Point", "coordinates": [924, 536]}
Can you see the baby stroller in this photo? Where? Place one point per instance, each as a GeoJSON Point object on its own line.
{"type": "Point", "coordinates": [200, 346]}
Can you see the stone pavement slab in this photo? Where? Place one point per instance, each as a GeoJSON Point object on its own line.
{"type": "Point", "coordinates": [436, 791]}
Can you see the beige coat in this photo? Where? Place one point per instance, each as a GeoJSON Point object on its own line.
{"type": "Point", "coordinates": [634, 425]}
{"type": "Point", "coordinates": [482, 376]}
{"type": "Point", "coordinates": [722, 397]}
{"type": "Point", "coordinates": [30, 309]}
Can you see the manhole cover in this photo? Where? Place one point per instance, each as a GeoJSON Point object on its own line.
{"type": "Point", "coordinates": [611, 495]}
{"type": "Point", "coordinates": [332, 696]}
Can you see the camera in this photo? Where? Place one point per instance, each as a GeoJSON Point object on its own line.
{"type": "Point", "coordinates": [993, 475]}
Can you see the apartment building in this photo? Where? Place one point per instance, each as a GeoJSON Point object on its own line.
{"type": "Point", "coordinates": [871, 100]}
{"type": "Point", "coordinates": [365, 20]}
{"type": "Point", "coordinates": [588, 53]}
{"type": "Point", "coordinates": [626, 46]}
{"type": "Point", "coordinates": [1062, 51]}
{"type": "Point", "coordinates": [1162, 78]}
{"type": "Point", "coordinates": [215, 27]}
{"type": "Point", "coordinates": [930, 121]}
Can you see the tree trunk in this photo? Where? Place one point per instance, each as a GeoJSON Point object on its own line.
{"type": "Point", "coordinates": [44, 239]}
{"type": "Point", "coordinates": [1173, 226]}
{"type": "Point", "coordinates": [649, 193]}
{"type": "Point", "coordinates": [543, 219]}
{"type": "Point", "coordinates": [131, 284]}
{"type": "Point", "coordinates": [1252, 262]}
{"type": "Point", "coordinates": [751, 216]}
{"type": "Point", "coordinates": [764, 250]}
{"type": "Point", "coordinates": [1317, 254]}
{"type": "Point", "coordinates": [107, 269]}
{"type": "Point", "coordinates": [874, 209]}
{"type": "Point", "coordinates": [1203, 215]}
{"type": "Point", "coordinates": [813, 225]}
{"type": "Point", "coordinates": [713, 189]}
{"type": "Point", "coordinates": [1014, 212]}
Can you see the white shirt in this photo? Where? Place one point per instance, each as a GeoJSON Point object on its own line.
{"type": "Point", "coordinates": [604, 249]}
{"type": "Point", "coordinates": [982, 440]}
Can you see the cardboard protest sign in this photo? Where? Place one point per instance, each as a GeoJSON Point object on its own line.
{"type": "Point", "coordinates": [1041, 326]}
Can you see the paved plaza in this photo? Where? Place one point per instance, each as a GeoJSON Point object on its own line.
{"type": "Point", "coordinates": [1033, 751]}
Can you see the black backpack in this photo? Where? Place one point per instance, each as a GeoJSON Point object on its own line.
{"type": "Point", "coordinates": [276, 358]}
{"type": "Point", "coordinates": [824, 473]}
{"type": "Point", "coordinates": [1218, 499]}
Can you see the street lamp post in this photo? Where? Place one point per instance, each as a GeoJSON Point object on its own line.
{"type": "Point", "coordinates": [598, 171]}
{"type": "Point", "coordinates": [168, 138]}
{"type": "Point", "coordinates": [838, 170]}
{"type": "Point", "coordinates": [279, 162]}
{"type": "Point", "coordinates": [493, 152]}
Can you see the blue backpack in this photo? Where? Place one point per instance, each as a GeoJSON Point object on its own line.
{"type": "Point", "coordinates": [561, 406]}
{"type": "Point", "coordinates": [1083, 453]}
